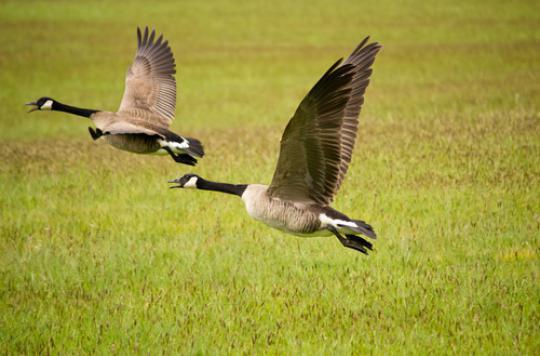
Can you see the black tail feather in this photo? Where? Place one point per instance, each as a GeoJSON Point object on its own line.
{"type": "Point", "coordinates": [361, 226]}
{"type": "Point", "coordinates": [195, 147]}
{"type": "Point", "coordinates": [364, 229]}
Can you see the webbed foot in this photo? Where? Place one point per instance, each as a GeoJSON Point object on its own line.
{"type": "Point", "coordinates": [181, 158]}
{"type": "Point", "coordinates": [352, 241]}
{"type": "Point", "coordinates": [95, 134]}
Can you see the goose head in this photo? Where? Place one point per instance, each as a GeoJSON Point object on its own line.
{"type": "Point", "coordinates": [43, 103]}
{"type": "Point", "coordinates": [186, 181]}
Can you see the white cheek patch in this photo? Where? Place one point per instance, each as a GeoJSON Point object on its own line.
{"type": "Point", "coordinates": [335, 222]}
{"type": "Point", "coordinates": [47, 105]}
{"type": "Point", "coordinates": [191, 183]}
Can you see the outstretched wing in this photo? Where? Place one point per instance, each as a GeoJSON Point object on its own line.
{"type": "Point", "coordinates": [317, 144]}
{"type": "Point", "coordinates": [150, 84]}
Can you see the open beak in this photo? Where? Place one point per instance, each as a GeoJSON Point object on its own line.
{"type": "Point", "coordinates": [175, 181]}
{"type": "Point", "coordinates": [34, 104]}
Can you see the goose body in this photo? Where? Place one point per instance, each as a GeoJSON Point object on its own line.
{"type": "Point", "coordinates": [316, 149]}
{"type": "Point", "coordinates": [298, 218]}
{"type": "Point", "coordinates": [141, 124]}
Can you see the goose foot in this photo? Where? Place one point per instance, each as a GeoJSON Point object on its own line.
{"type": "Point", "coordinates": [361, 241]}
{"type": "Point", "coordinates": [95, 134]}
{"type": "Point", "coordinates": [352, 241]}
{"type": "Point", "coordinates": [181, 158]}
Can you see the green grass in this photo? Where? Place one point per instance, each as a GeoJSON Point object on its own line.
{"type": "Point", "coordinates": [98, 256]}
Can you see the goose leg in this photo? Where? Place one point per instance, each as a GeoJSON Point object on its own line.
{"type": "Point", "coordinates": [351, 241]}
{"type": "Point", "coordinates": [181, 158]}
{"type": "Point", "coordinates": [95, 134]}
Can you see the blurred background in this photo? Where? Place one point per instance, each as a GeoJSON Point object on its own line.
{"type": "Point", "coordinates": [97, 255]}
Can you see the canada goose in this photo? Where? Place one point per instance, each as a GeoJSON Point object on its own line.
{"type": "Point", "coordinates": [315, 152]}
{"type": "Point", "coordinates": [141, 124]}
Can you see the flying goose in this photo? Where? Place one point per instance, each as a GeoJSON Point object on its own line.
{"type": "Point", "coordinates": [141, 124]}
{"type": "Point", "coordinates": [315, 152]}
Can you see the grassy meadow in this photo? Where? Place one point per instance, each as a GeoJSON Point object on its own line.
{"type": "Point", "coordinates": [97, 255]}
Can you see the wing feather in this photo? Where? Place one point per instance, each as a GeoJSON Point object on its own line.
{"type": "Point", "coordinates": [150, 82]}
{"type": "Point", "coordinates": [317, 144]}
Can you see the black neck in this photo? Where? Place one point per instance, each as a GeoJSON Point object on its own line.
{"type": "Point", "coordinates": [72, 109]}
{"type": "Point", "coordinates": [235, 189]}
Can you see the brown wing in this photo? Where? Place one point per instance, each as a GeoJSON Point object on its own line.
{"type": "Point", "coordinates": [150, 84]}
{"type": "Point", "coordinates": [317, 144]}
{"type": "Point", "coordinates": [124, 127]}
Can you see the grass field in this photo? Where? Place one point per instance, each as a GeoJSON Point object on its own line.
{"type": "Point", "coordinates": [98, 256]}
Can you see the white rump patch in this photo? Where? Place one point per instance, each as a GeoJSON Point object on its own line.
{"type": "Point", "coordinates": [47, 105]}
{"type": "Point", "coordinates": [337, 223]}
{"type": "Point", "coordinates": [176, 147]}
